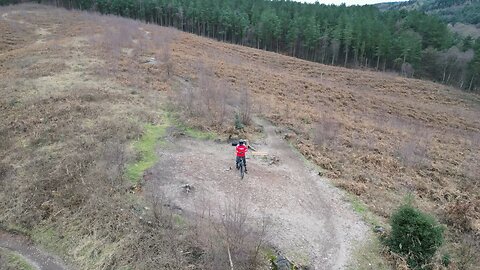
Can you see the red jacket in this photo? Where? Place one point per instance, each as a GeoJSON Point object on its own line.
{"type": "Point", "coordinates": [241, 150]}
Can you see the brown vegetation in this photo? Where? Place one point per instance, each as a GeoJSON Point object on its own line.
{"type": "Point", "coordinates": [394, 135]}
{"type": "Point", "coordinates": [377, 135]}
{"type": "Point", "coordinates": [65, 131]}
{"type": "Point", "coordinates": [72, 103]}
{"type": "Point", "coordinates": [233, 243]}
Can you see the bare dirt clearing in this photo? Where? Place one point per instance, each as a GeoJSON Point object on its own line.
{"type": "Point", "coordinates": [309, 219]}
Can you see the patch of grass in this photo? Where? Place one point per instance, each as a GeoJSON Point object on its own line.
{"type": "Point", "coordinates": [14, 228]}
{"type": "Point", "coordinates": [199, 134]}
{"type": "Point", "coordinates": [90, 252]}
{"type": "Point", "coordinates": [179, 220]}
{"type": "Point", "coordinates": [192, 132]}
{"type": "Point", "coordinates": [269, 253]}
{"type": "Point", "coordinates": [49, 238]}
{"type": "Point", "coordinates": [446, 259]}
{"type": "Point", "coordinates": [368, 256]}
{"type": "Point", "coordinates": [297, 257]}
{"type": "Point", "coordinates": [97, 252]}
{"type": "Point", "coordinates": [14, 261]}
{"type": "Point", "coordinates": [43, 235]}
{"type": "Point", "coordinates": [362, 209]}
{"type": "Point", "coordinates": [145, 147]}
{"type": "Point", "coordinates": [358, 206]}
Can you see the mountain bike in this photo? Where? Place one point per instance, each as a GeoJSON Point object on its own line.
{"type": "Point", "coordinates": [241, 168]}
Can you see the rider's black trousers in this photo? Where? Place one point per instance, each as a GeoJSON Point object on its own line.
{"type": "Point", "coordinates": [244, 162]}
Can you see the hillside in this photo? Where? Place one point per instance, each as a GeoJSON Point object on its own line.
{"type": "Point", "coordinates": [451, 11]}
{"type": "Point", "coordinates": [411, 43]}
{"type": "Point", "coordinates": [86, 99]}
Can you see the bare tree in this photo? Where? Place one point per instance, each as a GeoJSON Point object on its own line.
{"type": "Point", "coordinates": [114, 162]}
{"type": "Point", "coordinates": [234, 239]}
{"type": "Point", "coordinates": [327, 131]}
{"type": "Point", "coordinates": [207, 101]}
{"type": "Point", "coordinates": [335, 47]}
{"type": "Point", "coordinates": [166, 60]}
{"type": "Point", "coordinates": [463, 61]}
{"type": "Point", "coordinates": [407, 70]}
{"type": "Point", "coordinates": [454, 64]}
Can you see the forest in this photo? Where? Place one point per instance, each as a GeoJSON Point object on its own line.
{"type": "Point", "coordinates": [450, 11]}
{"type": "Point", "coordinates": [411, 43]}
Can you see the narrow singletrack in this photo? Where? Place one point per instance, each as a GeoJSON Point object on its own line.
{"type": "Point", "coordinates": [37, 258]}
{"type": "Point", "coordinates": [311, 222]}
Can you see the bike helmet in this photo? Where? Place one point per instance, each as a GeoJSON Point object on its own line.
{"type": "Point", "coordinates": [241, 142]}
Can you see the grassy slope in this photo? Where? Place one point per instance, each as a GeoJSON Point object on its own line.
{"type": "Point", "coordinates": [78, 92]}
{"type": "Point", "coordinates": [71, 106]}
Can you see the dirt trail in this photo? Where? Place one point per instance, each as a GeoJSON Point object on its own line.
{"type": "Point", "coordinates": [310, 221]}
{"type": "Point", "coordinates": [34, 256]}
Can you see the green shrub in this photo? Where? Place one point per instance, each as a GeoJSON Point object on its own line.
{"type": "Point", "coordinates": [415, 235]}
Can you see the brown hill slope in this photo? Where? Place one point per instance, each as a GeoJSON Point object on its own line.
{"type": "Point", "coordinates": [74, 84]}
{"type": "Point", "coordinates": [66, 125]}
{"type": "Point", "coordinates": [378, 135]}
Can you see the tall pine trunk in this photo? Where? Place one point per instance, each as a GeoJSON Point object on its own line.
{"type": "Point", "coordinates": [346, 57]}
{"type": "Point", "coordinates": [444, 74]}
{"type": "Point", "coordinates": [324, 52]}
{"type": "Point", "coordinates": [471, 82]}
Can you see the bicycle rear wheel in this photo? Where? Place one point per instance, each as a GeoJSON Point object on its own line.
{"type": "Point", "coordinates": [242, 170]}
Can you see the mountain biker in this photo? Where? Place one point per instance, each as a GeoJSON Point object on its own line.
{"type": "Point", "coordinates": [241, 151]}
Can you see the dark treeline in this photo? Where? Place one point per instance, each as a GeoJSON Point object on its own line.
{"type": "Point", "coordinates": [409, 42]}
